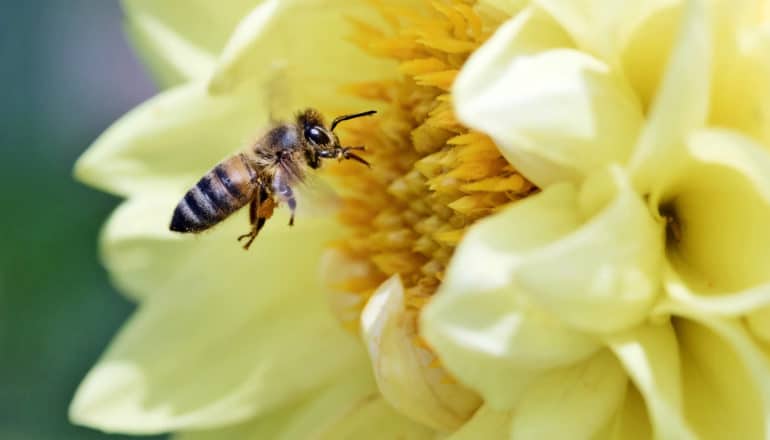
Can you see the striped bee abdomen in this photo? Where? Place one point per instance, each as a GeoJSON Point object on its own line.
{"type": "Point", "coordinates": [222, 191]}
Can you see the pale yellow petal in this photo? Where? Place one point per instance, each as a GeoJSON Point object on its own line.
{"type": "Point", "coordinates": [651, 358]}
{"type": "Point", "coordinates": [681, 104]}
{"type": "Point", "coordinates": [487, 424]}
{"type": "Point", "coordinates": [573, 402]}
{"type": "Point", "coordinates": [604, 276]}
{"type": "Point", "coordinates": [487, 333]}
{"type": "Point", "coordinates": [556, 114]}
{"type": "Point", "coordinates": [302, 44]}
{"type": "Point", "coordinates": [631, 421]}
{"type": "Point", "coordinates": [741, 92]}
{"type": "Point", "coordinates": [648, 49]}
{"type": "Point", "coordinates": [170, 141]}
{"type": "Point", "coordinates": [722, 203]}
{"type": "Point", "coordinates": [404, 370]}
{"type": "Point", "coordinates": [173, 365]}
{"type": "Point", "coordinates": [725, 377]}
{"type": "Point", "coordinates": [602, 27]}
{"type": "Point", "coordinates": [349, 408]}
{"type": "Point", "coordinates": [180, 40]}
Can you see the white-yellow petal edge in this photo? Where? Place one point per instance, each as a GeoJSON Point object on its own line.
{"type": "Point", "coordinates": [651, 358]}
{"type": "Point", "coordinates": [173, 139]}
{"type": "Point", "coordinates": [404, 371]}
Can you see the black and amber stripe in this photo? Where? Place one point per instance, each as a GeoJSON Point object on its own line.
{"type": "Point", "coordinates": [222, 191]}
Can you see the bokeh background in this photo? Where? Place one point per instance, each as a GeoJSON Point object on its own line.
{"type": "Point", "coordinates": [67, 72]}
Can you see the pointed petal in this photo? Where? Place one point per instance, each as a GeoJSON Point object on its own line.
{"type": "Point", "coordinates": [650, 357]}
{"type": "Point", "coordinates": [180, 40]}
{"type": "Point", "coordinates": [404, 371]}
{"type": "Point", "coordinates": [556, 114]}
{"type": "Point", "coordinates": [680, 105]}
{"type": "Point", "coordinates": [350, 408]}
{"type": "Point", "coordinates": [722, 202]}
{"type": "Point", "coordinates": [489, 334]}
{"type": "Point", "coordinates": [170, 141]}
{"type": "Point", "coordinates": [584, 396]}
{"type": "Point", "coordinates": [265, 47]}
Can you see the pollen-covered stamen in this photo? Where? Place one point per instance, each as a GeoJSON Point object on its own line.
{"type": "Point", "coordinates": [431, 177]}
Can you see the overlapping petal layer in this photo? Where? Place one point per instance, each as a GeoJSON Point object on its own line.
{"type": "Point", "coordinates": [557, 114]}
{"type": "Point", "coordinates": [194, 355]}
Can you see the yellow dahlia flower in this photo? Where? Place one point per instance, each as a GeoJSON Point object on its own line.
{"type": "Point", "coordinates": [561, 235]}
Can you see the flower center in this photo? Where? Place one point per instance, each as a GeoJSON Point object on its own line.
{"type": "Point", "coordinates": [431, 177]}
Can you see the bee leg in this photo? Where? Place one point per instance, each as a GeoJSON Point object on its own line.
{"type": "Point", "coordinates": [346, 154]}
{"type": "Point", "coordinates": [253, 221]}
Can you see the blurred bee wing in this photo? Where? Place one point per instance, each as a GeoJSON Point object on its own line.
{"type": "Point", "coordinates": [316, 197]}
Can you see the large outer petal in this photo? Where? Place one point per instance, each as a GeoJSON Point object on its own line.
{"type": "Point", "coordinates": [301, 44]}
{"type": "Point", "coordinates": [225, 335]}
{"type": "Point", "coordinates": [350, 408]}
{"type": "Point", "coordinates": [557, 114]}
{"type": "Point", "coordinates": [180, 40]}
{"type": "Point", "coordinates": [168, 142]}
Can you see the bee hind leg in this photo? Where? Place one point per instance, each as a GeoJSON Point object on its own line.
{"type": "Point", "coordinates": [260, 209]}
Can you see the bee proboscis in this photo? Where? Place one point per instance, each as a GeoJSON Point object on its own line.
{"type": "Point", "coordinates": [263, 175]}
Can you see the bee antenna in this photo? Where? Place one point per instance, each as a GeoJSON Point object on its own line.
{"type": "Point", "coordinates": [339, 119]}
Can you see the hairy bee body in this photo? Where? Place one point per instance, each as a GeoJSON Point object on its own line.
{"type": "Point", "coordinates": [225, 189]}
{"type": "Point", "coordinates": [262, 176]}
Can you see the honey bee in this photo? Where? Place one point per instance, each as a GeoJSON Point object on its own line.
{"type": "Point", "coordinates": [263, 175]}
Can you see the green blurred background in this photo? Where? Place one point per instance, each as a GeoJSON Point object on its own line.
{"type": "Point", "coordinates": [67, 73]}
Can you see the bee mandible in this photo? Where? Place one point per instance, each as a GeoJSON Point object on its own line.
{"type": "Point", "coordinates": [263, 175]}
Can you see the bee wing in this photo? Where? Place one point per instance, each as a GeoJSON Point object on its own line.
{"type": "Point", "coordinates": [316, 197]}
{"type": "Point", "coordinates": [305, 194]}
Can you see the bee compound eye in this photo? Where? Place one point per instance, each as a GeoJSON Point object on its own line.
{"type": "Point", "coordinates": [316, 136]}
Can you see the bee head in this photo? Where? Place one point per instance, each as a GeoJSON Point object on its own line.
{"type": "Point", "coordinates": [322, 141]}
{"type": "Point", "coordinates": [314, 130]}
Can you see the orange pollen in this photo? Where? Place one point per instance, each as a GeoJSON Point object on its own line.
{"type": "Point", "coordinates": [431, 177]}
